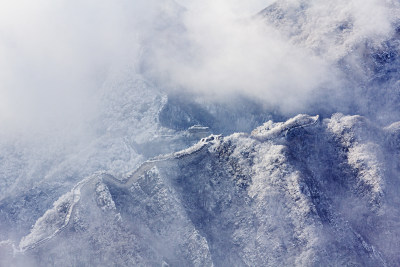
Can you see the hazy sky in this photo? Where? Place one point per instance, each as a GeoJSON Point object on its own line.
{"type": "Point", "coordinates": [55, 55]}
{"type": "Point", "coordinates": [217, 50]}
{"type": "Point", "coordinates": [220, 50]}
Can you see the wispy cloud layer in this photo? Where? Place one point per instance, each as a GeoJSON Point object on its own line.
{"type": "Point", "coordinates": [54, 55]}
{"type": "Point", "coordinates": [217, 48]}
{"type": "Point", "coordinates": [218, 52]}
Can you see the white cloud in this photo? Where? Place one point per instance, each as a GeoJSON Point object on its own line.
{"type": "Point", "coordinates": [226, 53]}
{"type": "Point", "coordinates": [54, 55]}
{"type": "Point", "coordinates": [218, 50]}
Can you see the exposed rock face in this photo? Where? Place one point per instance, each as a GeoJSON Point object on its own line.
{"type": "Point", "coordinates": [307, 192]}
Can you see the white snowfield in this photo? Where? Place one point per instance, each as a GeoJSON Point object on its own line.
{"type": "Point", "coordinates": [266, 193]}
{"type": "Point", "coordinates": [57, 219]}
{"type": "Point", "coordinates": [54, 220]}
{"type": "Point", "coordinates": [311, 190]}
{"type": "Point", "coordinates": [272, 130]}
{"type": "Point", "coordinates": [149, 164]}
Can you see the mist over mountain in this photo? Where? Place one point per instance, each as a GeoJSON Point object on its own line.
{"type": "Point", "coordinates": [175, 133]}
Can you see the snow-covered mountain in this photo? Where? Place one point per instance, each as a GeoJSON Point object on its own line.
{"type": "Point", "coordinates": [306, 192]}
{"type": "Point", "coordinates": [361, 40]}
{"type": "Point", "coordinates": [172, 177]}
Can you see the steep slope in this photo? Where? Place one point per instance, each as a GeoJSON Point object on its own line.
{"type": "Point", "coordinates": [36, 168]}
{"type": "Point", "coordinates": [305, 192]}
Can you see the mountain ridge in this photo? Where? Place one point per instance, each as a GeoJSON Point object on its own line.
{"type": "Point", "coordinates": [233, 185]}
